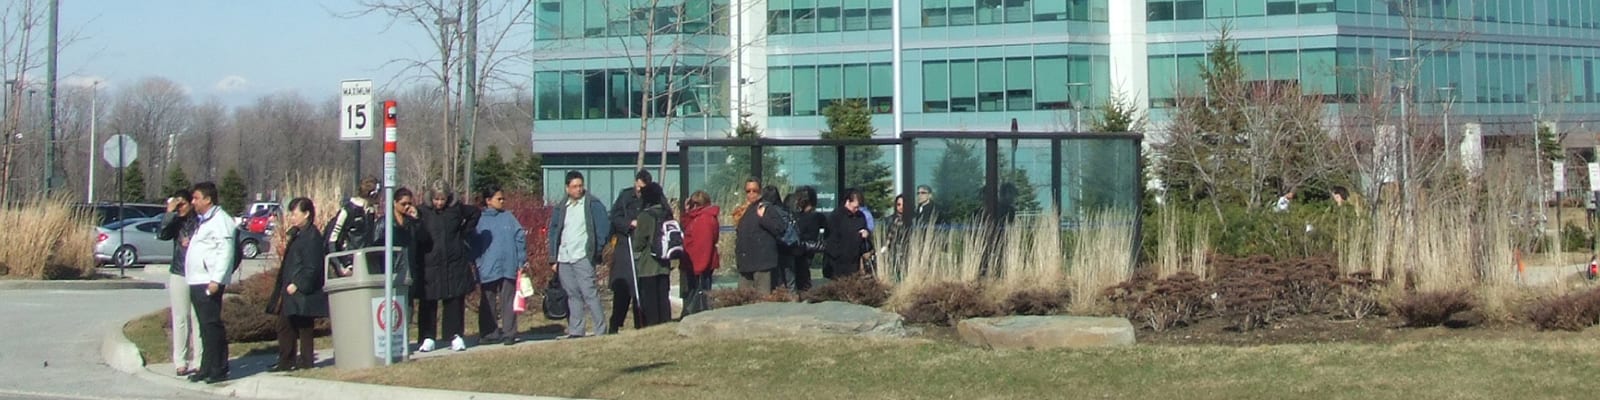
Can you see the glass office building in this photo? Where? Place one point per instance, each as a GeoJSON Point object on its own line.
{"type": "Point", "coordinates": [976, 65]}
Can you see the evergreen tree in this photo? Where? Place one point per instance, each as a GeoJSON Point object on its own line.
{"type": "Point", "coordinates": [727, 173]}
{"type": "Point", "coordinates": [133, 184]}
{"type": "Point", "coordinates": [959, 175]}
{"type": "Point", "coordinates": [231, 194]}
{"type": "Point", "coordinates": [490, 170]}
{"type": "Point", "coordinates": [1550, 145]}
{"type": "Point", "coordinates": [176, 179]}
{"type": "Point", "coordinates": [1117, 115]}
{"type": "Point", "coordinates": [527, 172]}
{"type": "Point", "coordinates": [864, 165]}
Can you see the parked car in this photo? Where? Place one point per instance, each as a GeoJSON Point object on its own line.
{"type": "Point", "coordinates": [106, 213]}
{"type": "Point", "coordinates": [256, 209]}
{"type": "Point", "coordinates": [133, 242]}
{"type": "Point", "coordinates": [260, 221]}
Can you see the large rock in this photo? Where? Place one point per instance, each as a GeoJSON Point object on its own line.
{"type": "Point", "coordinates": [792, 319]}
{"type": "Point", "coordinates": [1046, 332]}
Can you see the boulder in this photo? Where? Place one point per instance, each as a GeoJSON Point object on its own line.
{"type": "Point", "coordinates": [763, 320]}
{"type": "Point", "coordinates": [1046, 332]}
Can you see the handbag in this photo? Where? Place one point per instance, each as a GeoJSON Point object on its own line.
{"type": "Point", "coordinates": [555, 301]}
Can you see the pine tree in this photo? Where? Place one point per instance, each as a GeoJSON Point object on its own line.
{"type": "Point", "coordinates": [1117, 115]}
{"type": "Point", "coordinates": [864, 165]}
{"type": "Point", "coordinates": [176, 180]}
{"type": "Point", "coordinates": [1550, 145]}
{"type": "Point", "coordinates": [960, 174]}
{"type": "Point", "coordinates": [527, 172]}
{"type": "Point", "coordinates": [231, 194]}
{"type": "Point", "coordinates": [490, 170]}
{"type": "Point", "coordinates": [133, 184]}
{"type": "Point", "coordinates": [728, 172]}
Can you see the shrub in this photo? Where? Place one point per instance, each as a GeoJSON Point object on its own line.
{"type": "Point", "coordinates": [534, 215]}
{"type": "Point", "coordinates": [47, 239]}
{"type": "Point", "coordinates": [1574, 237]}
{"type": "Point", "coordinates": [1037, 301]}
{"type": "Point", "coordinates": [1425, 309]}
{"type": "Point", "coordinates": [734, 297]}
{"type": "Point", "coordinates": [1357, 295]}
{"type": "Point", "coordinates": [779, 295]}
{"type": "Point", "coordinates": [246, 314]}
{"type": "Point", "coordinates": [859, 289]}
{"type": "Point", "coordinates": [1573, 312]}
{"type": "Point", "coordinates": [1161, 304]}
{"type": "Point", "coordinates": [1309, 284]}
{"type": "Point", "coordinates": [946, 303]}
{"type": "Point", "coordinates": [1249, 291]}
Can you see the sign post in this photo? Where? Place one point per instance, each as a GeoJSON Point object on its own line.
{"type": "Point", "coordinates": [120, 151]}
{"type": "Point", "coordinates": [355, 105]}
{"type": "Point", "coordinates": [1558, 178]}
{"type": "Point", "coordinates": [1594, 190]}
{"type": "Point", "coordinates": [390, 119]}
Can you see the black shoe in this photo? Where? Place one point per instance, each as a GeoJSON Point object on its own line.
{"type": "Point", "coordinates": [509, 341]}
{"type": "Point", "coordinates": [217, 379]}
{"type": "Point", "coordinates": [281, 367]}
{"type": "Point", "coordinates": [197, 377]}
{"type": "Point", "coordinates": [490, 338]}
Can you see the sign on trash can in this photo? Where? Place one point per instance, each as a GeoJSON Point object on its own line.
{"type": "Point", "coordinates": [390, 328]}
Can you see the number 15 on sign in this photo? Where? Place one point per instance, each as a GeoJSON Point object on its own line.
{"type": "Point", "coordinates": [355, 104]}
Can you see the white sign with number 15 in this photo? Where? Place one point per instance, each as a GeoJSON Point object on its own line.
{"type": "Point", "coordinates": [355, 106]}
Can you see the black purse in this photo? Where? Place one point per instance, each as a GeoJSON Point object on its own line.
{"type": "Point", "coordinates": [555, 301]}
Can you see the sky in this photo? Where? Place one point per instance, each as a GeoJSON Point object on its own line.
{"type": "Point", "coordinates": [234, 50]}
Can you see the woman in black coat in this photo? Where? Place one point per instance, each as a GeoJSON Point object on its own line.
{"type": "Point", "coordinates": [446, 269]}
{"type": "Point", "coordinates": [847, 237]}
{"type": "Point", "coordinates": [298, 299]}
{"type": "Point", "coordinates": [808, 225]}
{"type": "Point", "coordinates": [756, 240]}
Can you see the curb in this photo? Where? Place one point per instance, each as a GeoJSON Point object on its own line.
{"type": "Point", "coordinates": [81, 285]}
{"type": "Point", "coordinates": [122, 355]}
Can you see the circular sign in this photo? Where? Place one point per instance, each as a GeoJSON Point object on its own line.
{"type": "Point", "coordinates": [121, 151]}
{"type": "Point", "coordinates": [389, 315]}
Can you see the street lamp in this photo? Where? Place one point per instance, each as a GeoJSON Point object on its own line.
{"type": "Point", "coordinates": [1077, 109]}
{"type": "Point", "coordinates": [705, 121]}
{"type": "Point", "coordinates": [1405, 137]}
{"type": "Point", "coordinates": [1447, 93]}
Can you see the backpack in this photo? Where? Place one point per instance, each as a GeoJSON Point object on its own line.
{"type": "Point", "coordinates": [668, 241]}
{"type": "Point", "coordinates": [555, 300]}
{"type": "Point", "coordinates": [791, 235]}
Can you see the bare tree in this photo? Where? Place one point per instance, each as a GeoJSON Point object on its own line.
{"type": "Point", "coordinates": [207, 125]}
{"type": "Point", "coordinates": [20, 55]}
{"type": "Point", "coordinates": [155, 112]}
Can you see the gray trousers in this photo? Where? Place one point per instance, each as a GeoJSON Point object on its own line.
{"type": "Point", "coordinates": [583, 297]}
{"type": "Point", "coordinates": [760, 281]}
{"type": "Point", "coordinates": [496, 301]}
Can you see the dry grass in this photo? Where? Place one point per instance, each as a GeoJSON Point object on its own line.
{"type": "Point", "coordinates": [1527, 365]}
{"type": "Point", "coordinates": [324, 187]}
{"type": "Point", "coordinates": [45, 238]}
{"type": "Point", "coordinates": [1101, 257]}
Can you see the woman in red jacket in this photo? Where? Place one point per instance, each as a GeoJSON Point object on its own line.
{"type": "Point", "coordinates": [701, 231]}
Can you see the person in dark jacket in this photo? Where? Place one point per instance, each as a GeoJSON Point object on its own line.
{"type": "Point", "coordinates": [654, 281]}
{"type": "Point", "coordinates": [446, 269]}
{"type": "Point", "coordinates": [808, 224]}
{"type": "Point", "coordinates": [624, 216]}
{"type": "Point", "coordinates": [356, 223]}
{"type": "Point", "coordinates": [701, 231]}
{"type": "Point", "coordinates": [577, 238]}
{"type": "Point", "coordinates": [298, 299]}
{"type": "Point", "coordinates": [178, 225]}
{"type": "Point", "coordinates": [897, 235]}
{"type": "Point", "coordinates": [756, 241]}
{"type": "Point", "coordinates": [501, 244]}
{"type": "Point", "coordinates": [847, 238]}
{"type": "Point", "coordinates": [784, 275]}
{"type": "Point", "coordinates": [927, 212]}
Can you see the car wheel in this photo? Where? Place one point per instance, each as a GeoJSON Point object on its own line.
{"type": "Point", "coordinates": [125, 256]}
{"type": "Point", "coordinates": [250, 248]}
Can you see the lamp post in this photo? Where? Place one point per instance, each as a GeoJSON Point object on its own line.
{"type": "Point", "coordinates": [705, 121]}
{"type": "Point", "coordinates": [1077, 109]}
{"type": "Point", "coordinates": [1447, 93]}
{"type": "Point", "coordinates": [1405, 137]}
{"type": "Point", "coordinates": [94, 105]}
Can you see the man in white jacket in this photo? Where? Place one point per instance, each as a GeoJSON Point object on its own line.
{"type": "Point", "coordinates": [208, 268]}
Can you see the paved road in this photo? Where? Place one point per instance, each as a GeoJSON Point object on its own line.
{"type": "Point", "coordinates": [52, 340]}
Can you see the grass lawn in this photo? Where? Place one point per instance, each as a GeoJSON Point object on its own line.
{"type": "Point", "coordinates": [658, 364]}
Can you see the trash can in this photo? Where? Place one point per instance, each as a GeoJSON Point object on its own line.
{"type": "Point", "coordinates": [362, 323]}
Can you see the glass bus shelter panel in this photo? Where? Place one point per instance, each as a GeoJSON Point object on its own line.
{"type": "Point", "coordinates": [1099, 175]}
{"type": "Point", "coordinates": [871, 169]}
{"type": "Point", "coordinates": [955, 170]}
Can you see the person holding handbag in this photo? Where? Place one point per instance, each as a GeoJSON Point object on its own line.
{"type": "Point", "coordinates": [701, 231]}
{"type": "Point", "coordinates": [501, 245]}
{"type": "Point", "coordinates": [298, 299]}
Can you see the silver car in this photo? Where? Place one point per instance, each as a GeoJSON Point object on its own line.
{"type": "Point", "coordinates": [131, 242]}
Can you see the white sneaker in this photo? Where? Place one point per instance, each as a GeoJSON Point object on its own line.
{"type": "Point", "coordinates": [427, 346]}
{"type": "Point", "coordinates": [458, 344]}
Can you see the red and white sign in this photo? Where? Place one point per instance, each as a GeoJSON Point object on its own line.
{"type": "Point", "coordinates": [389, 323]}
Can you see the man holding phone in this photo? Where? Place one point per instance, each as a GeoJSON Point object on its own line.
{"type": "Point", "coordinates": [208, 266]}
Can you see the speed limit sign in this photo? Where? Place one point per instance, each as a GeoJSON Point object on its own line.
{"type": "Point", "coordinates": [355, 110]}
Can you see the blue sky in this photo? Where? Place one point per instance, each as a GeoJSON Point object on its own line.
{"type": "Point", "coordinates": [235, 50]}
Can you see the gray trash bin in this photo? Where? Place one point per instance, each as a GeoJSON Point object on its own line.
{"type": "Point", "coordinates": [354, 303]}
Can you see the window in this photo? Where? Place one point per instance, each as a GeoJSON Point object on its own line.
{"type": "Point", "coordinates": [1316, 71]}
{"type": "Point", "coordinates": [594, 94]}
{"type": "Point", "coordinates": [882, 88]}
{"type": "Point", "coordinates": [1326, 6]}
{"type": "Point", "coordinates": [855, 15]}
{"type": "Point", "coordinates": [1050, 11]}
{"type": "Point", "coordinates": [961, 12]}
{"type": "Point", "coordinates": [1050, 83]}
{"type": "Point", "coordinates": [1189, 83]}
{"type": "Point", "coordinates": [1256, 8]}
{"type": "Point", "coordinates": [572, 19]}
{"type": "Point", "coordinates": [1162, 72]}
{"type": "Point", "coordinates": [618, 103]}
{"type": "Point", "coordinates": [991, 85]}
{"type": "Point", "coordinates": [828, 16]}
{"type": "Point", "coordinates": [1219, 8]}
{"type": "Point", "coordinates": [934, 13]}
{"type": "Point", "coordinates": [963, 86]}
{"type": "Point", "coordinates": [856, 82]}
{"type": "Point", "coordinates": [594, 19]}
{"type": "Point", "coordinates": [830, 85]}
{"type": "Point", "coordinates": [1283, 65]}
{"type": "Point", "coordinates": [1280, 7]}
{"type": "Point", "coordinates": [572, 94]}
{"type": "Point", "coordinates": [547, 95]}
{"type": "Point", "coordinates": [1159, 10]}
{"type": "Point", "coordinates": [1019, 84]}
{"type": "Point", "coordinates": [1189, 9]}
{"type": "Point", "coordinates": [805, 91]}
{"type": "Point", "coordinates": [880, 16]}
{"type": "Point", "coordinates": [935, 89]}
{"type": "Point", "coordinates": [1018, 11]}
{"type": "Point", "coordinates": [778, 19]}
{"type": "Point", "coordinates": [989, 12]}
{"type": "Point", "coordinates": [549, 20]}
{"type": "Point", "coordinates": [805, 16]}
{"type": "Point", "coordinates": [779, 91]}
